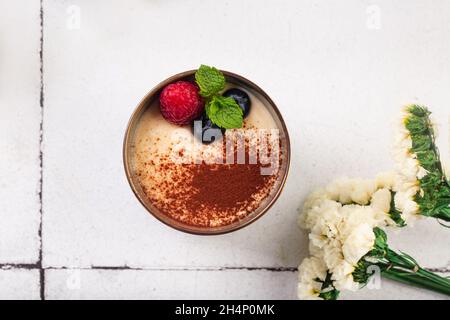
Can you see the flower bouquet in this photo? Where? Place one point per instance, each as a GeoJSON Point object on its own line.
{"type": "Point", "coordinates": [345, 220]}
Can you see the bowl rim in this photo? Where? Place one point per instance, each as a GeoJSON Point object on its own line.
{"type": "Point", "coordinates": [184, 227]}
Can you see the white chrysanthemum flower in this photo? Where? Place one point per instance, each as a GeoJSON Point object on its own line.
{"type": "Point", "coordinates": [312, 268]}
{"type": "Point", "coordinates": [363, 190]}
{"type": "Point", "coordinates": [315, 251]}
{"type": "Point", "coordinates": [358, 243]}
{"type": "Point", "coordinates": [385, 180]}
{"type": "Point", "coordinates": [381, 200]}
{"type": "Point", "coordinates": [345, 190]}
{"type": "Point", "coordinates": [322, 209]}
{"type": "Point", "coordinates": [354, 216]}
{"type": "Point", "coordinates": [328, 216]}
{"type": "Point", "coordinates": [409, 168]}
{"type": "Point", "coordinates": [306, 219]}
{"type": "Point", "coordinates": [381, 205]}
{"type": "Point", "coordinates": [404, 202]}
{"type": "Point", "coordinates": [332, 254]}
{"type": "Point", "coordinates": [323, 231]}
{"type": "Point", "coordinates": [402, 140]}
{"type": "Point", "coordinates": [313, 198]}
{"type": "Point", "coordinates": [407, 163]}
{"type": "Point", "coordinates": [342, 277]}
{"type": "Point", "coordinates": [421, 172]}
{"type": "Point", "coordinates": [309, 290]}
{"type": "Point", "coordinates": [340, 190]}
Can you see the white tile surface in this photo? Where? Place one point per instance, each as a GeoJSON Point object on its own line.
{"type": "Point", "coordinates": [19, 284]}
{"type": "Point", "coordinates": [147, 284]}
{"type": "Point", "coordinates": [338, 83]}
{"type": "Point", "coordinates": [19, 131]}
{"type": "Point", "coordinates": [94, 78]}
{"type": "Point", "coordinates": [170, 284]}
{"type": "Point", "coordinates": [427, 241]}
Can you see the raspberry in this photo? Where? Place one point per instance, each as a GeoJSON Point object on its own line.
{"type": "Point", "coordinates": [181, 103]}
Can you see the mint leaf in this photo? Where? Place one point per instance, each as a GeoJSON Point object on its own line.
{"type": "Point", "coordinates": [212, 107]}
{"type": "Point", "coordinates": [224, 112]}
{"type": "Point", "coordinates": [209, 80]}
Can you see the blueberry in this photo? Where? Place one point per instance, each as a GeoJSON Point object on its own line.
{"type": "Point", "coordinates": [241, 98]}
{"type": "Point", "coordinates": [209, 131]}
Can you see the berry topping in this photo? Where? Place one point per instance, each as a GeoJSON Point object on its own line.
{"type": "Point", "coordinates": [181, 103]}
{"type": "Point", "coordinates": [241, 98]}
{"type": "Point", "coordinates": [206, 130]}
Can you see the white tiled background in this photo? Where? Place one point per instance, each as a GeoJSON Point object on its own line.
{"type": "Point", "coordinates": [339, 73]}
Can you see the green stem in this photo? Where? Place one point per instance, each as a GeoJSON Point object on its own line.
{"type": "Point", "coordinates": [434, 277]}
{"type": "Point", "coordinates": [444, 214]}
{"type": "Point", "coordinates": [400, 260]}
{"type": "Point", "coordinates": [401, 267]}
{"type": "Point", "coordinates": [404, 268]}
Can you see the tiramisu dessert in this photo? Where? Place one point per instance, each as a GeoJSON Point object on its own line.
{"type": "Point", "coordinates": [207, 153]}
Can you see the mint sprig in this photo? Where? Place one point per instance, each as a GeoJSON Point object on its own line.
{"type": "Point", "coordinates": [222, 111]}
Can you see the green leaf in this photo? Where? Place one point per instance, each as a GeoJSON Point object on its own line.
{"type": "Point", "coordinates": [396, 215]}
{"type": "Point", "coordinates": [332, 294]}
{"type": "Point", "coordinates": [225, 112]}
{"type": "Point", "coordinates": [360, 273]}
{"type": "Point", "coordinates": [328, 291]}
{"type": "Point", "coordinates": [380, 235]}
{"type": "Point", "coordinates": [380, 246]}
{"type": "Point", "coordinates": [210, 81]}
{"type": "Point", "coordinates": [212, 108]}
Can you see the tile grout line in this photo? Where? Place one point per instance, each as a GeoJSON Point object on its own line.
{"type": "Point", "coordinates": [41, 152]}
{"type": "Point", "coordinates": [31, 266]}
{"type": "Point", "coordinates": [124, 268]}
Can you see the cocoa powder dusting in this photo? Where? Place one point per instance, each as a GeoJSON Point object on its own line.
{"type": "Point", "coordinates": [225, 186]}
{"type": "Point", "coordinates": [207, 195]}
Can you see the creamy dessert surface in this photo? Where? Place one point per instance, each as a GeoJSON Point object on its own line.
{"type": "Point", "coordinates": [164, 158]}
